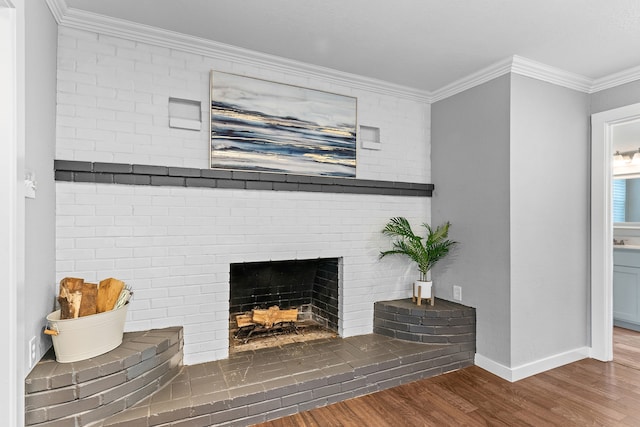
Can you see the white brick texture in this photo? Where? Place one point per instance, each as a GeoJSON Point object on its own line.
{"type": "Point", "coordinates": [174, 245]}
{"type": "Point", "coordinates": [113, 107]}
{"type": "Point", "coordinates": [179, 267]}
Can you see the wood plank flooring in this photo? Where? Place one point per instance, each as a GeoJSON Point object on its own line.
{"type": "Point", "coordinates": [584, 393]}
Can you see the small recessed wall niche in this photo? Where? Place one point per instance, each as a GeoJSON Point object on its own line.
{"type": "Point", "coordinates": [370, 137]}
{"type": "Point", "coordinates": [185, 114]}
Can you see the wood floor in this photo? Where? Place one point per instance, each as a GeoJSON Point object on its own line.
{"type": "Point", "coordinates": [585, 393]}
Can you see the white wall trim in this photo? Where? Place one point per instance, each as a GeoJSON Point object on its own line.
{"type": "Point", "coordinates": [548, 363]}
{"type": "Point", "coordinates": [602, 227]}
{"type": "Point", "coordinates": [616, 79]}
{"type": "Point", "coordinates": [481, 76]}
{"type": "Point", "coordinates": [537, 70]}
{"type": "Point", "coordinates": [12, 210]}
{"type": "Point", "coordinates": [494, 367]}
{"type": "Point", "coordinates": [546, 73]}
{"type": "Point", "coordinates": [8, 211]}
{"type": "Point", "coordinates": [79, 19]}
{"type": "Point", "coordinates": [58, 9]}
{"type": "Point", "coordinates": [528, 369]}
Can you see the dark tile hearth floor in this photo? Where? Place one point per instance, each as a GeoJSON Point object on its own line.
{"type": "Point", "coordinates": [256, 386]}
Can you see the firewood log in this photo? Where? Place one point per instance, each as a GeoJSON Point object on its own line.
{"type": "Point", "coordinates": [67, 298]}
{"type": "Point", "coordinates": [108, 293]}
{"type": "Point", "coordinates": [69, 303]}
{"type": "Point", "coordinates": [71, 283]}
{"type": "Point", "coordinates": [244, 320]}
{"type": "Point", "coordinates": [274, 315]}
{"type": "Point", "coordinates": [89, 294]}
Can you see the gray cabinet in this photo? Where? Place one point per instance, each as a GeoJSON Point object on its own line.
{"type": "Point", "coordinates": [626, 288]}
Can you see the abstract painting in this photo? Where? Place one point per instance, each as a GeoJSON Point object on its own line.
{"type": "Point", "coordinates": [260, 125]}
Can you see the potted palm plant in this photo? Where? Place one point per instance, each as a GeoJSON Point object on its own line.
{"type": "Point", "coordinates": [424, 251]}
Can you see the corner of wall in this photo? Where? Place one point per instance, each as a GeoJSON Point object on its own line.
{"type": "Point", "coordinates": [40, 130]}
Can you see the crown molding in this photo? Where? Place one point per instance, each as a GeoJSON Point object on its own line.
{"type": "Point", "coordinates": [516, 65]}
{"type": "Point", "coordinates": [616, 79]}
{"type": "Point", "coordinates": [58, 9]}
{"type": "Point", "coordinates": [546, 73]}
{"type": "Point", "coordinates": [479, 77]}
{"type": "Point", "coordinates": [537, 70]}
{"type": "Point", "coordinates": [78, 19]}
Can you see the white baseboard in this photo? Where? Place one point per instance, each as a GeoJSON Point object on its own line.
{"type": "Point", "coordinates": [532, 368]}
{"type": "Point", "coordinates": [493, 367]}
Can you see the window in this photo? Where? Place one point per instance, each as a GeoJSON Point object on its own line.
{"type": "Point", "coordinates": [619, 199]}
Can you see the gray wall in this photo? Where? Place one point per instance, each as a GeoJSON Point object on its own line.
{"type": "Point", "coordinates": [510, 168]}
{"type": "Point", "coordinates": [470, 170]}
{"type": "Point", "coordinates": [40, 127]}
{"type": "Point", "coordinates": [615, 97]}
{"type": "Point", "coordinates": [549, 220]}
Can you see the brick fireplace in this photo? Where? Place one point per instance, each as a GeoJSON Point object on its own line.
{"type": "Point", "coordinates": [135, 199]}
{"type": "Point", "coordinates": [175, 241]}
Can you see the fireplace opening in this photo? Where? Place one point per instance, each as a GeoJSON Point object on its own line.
{"type": "Point", "coordinates": [276, 302]}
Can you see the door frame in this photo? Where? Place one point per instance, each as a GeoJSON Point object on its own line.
{"type": "Point", "coordinates": [11, 213]}
{"type": "Point", "coordinates": [602, 125]}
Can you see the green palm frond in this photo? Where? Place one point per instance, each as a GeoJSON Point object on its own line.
{"type": "Point", "coordinates": [400, 227]}
{"type": "Point", "coordinates": [425, 252]}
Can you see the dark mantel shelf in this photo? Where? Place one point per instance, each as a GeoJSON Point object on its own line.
{"type": "Point", "coordinates": [122, 173]}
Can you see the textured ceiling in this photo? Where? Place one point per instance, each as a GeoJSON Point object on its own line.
{"type": "Point", "coordinates": [422, 44]}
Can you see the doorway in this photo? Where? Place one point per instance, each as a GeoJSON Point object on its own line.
{"type": "Point", "coordinates": [602, 126]}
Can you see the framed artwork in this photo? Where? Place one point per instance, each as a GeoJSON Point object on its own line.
{"type": "Point", "coordinates": [260, 125]}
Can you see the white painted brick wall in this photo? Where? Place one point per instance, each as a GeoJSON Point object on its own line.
{"type": "Point", "coordinates": [174, 246]}
{"type": "Point", "coordinates": [113, 107]}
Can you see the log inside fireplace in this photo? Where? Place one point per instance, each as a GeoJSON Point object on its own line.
{"type": "Point", "coordinates": [261, 321]}
{"type": "Point", "coordinates": [262, 328]}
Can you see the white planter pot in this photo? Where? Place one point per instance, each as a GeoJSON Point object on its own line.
{"type": "Point", "coordinates": [425, 289]}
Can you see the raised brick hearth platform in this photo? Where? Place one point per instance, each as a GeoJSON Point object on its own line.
{"type": "Point", "coordinates": [443, 322]}
{"type": "Point", "coordinates": [81, 393]}
{"type": "Point", "coordinates": [259, 385]}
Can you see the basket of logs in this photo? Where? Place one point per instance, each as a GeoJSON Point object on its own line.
{"type": "Point", "coordinates": [91, 318]}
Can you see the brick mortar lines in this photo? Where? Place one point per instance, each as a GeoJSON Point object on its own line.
{"type": "Point", "coordinates": [402, 320]}
{"type": "Point", "coordinates": [374, 381]}
{"type": "Point", "coordinates": [159, 352]}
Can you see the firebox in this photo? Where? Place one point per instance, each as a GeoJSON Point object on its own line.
{"type": "Point", "coordinates": [309, 285]}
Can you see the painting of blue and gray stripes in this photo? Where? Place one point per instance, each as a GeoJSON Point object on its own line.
{"type": "Point", "coordinates": [260, 125]}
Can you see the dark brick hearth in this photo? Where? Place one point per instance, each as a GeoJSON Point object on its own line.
{"type": "Point", "coordinates": [252, 386]}
{"type": "Point", "coordinates": [444, 322]}
{"type": "Point", "coordinates": [82, 393]}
